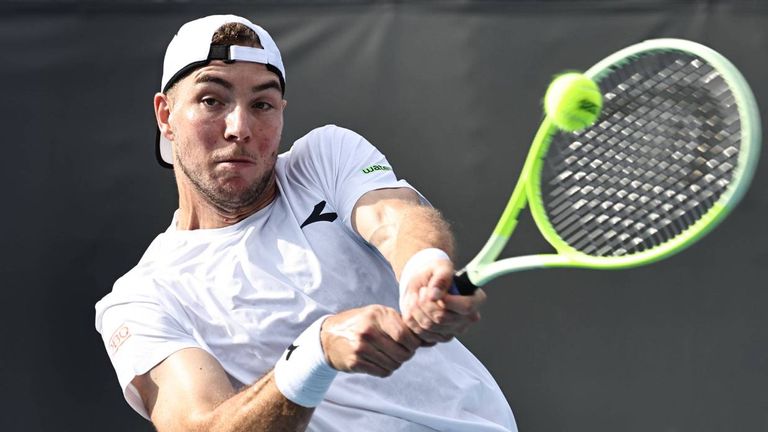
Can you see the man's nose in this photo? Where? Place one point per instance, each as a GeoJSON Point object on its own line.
{"type": "Point", "coordinates": [238, 124]}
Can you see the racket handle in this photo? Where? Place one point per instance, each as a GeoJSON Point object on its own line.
{"type": "Point", "coordinates": [461, 284]}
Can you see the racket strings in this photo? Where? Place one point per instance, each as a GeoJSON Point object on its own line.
{"type": "Point", "coordinates": [661, 154]}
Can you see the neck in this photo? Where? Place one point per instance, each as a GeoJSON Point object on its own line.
{"type": "Point", "coordinates": [197, 212]}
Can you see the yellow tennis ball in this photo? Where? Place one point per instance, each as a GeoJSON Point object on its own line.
{"type": "Point", "coordinates": [573, 101]}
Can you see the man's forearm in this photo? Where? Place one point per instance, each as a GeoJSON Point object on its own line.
{"type": "Point", "coordinates": [189, 391]}
{"type": "Point", "coordinates": [259, 407]}
{"type": "Point", "coordinates": [420, 227]}
{"type": "Point", "coordinates": [409, 228]}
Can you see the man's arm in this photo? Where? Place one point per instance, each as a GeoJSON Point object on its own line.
{"type": "Point", "coordinates": [189, 391]}
{"type": "Point", "coordinates": [398, 225]}
{"type": "Point", "coordinates": [395, 222]}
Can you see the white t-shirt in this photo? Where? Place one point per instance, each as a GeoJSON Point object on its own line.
{"type": "Point", "coordinates": [244, 292]}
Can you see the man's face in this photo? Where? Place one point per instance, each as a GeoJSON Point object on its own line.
{"type": "Point", "coordinates": [226, 121]}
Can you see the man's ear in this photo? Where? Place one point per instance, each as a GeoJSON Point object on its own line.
{"type": "Point", "coordinates": [162, 114]}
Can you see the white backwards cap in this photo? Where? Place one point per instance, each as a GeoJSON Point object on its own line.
{"type": "Point", "coordinates": [191, 49]}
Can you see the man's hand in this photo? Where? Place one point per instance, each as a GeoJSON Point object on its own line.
{"type": "Point", "coordinates": [399, 226]}
{"type": "Point", "coordinates": [372, 340]}
{"type": "Point", "coordinates": [430, 312]}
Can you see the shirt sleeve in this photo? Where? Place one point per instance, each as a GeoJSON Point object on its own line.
{"type": "Point", "coordinates": [345, 166]}
{"type": "Point", "coordinates": [138, 334]}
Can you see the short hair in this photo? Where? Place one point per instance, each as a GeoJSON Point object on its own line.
{"type": "Point", "coordinates": [235, 33]}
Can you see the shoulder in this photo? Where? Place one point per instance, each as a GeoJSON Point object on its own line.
{"type": "Point", "coordinates": [134, 287]}
{"type": "Point", "coordinates": [326, 150]}
{"type": "Point", "coordinates": [328, 139]}
{"type": "Point", "coordinates": [140, 285]}
{"type": "Point", "coordinates": [332, 132]}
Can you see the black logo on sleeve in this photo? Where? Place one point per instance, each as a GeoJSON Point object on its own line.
{"type": "Point", "coordinates": [318, 215]}
{"type": "Point", "coordinates": [290, 351]}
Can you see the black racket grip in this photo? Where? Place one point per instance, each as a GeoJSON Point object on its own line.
{"type": "Point", "coordinates": [461, 284]}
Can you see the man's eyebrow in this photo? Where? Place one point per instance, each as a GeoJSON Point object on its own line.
{"type": "Point", "coordinates": [205, 78]}
{"type": "Point", "coordinates": [272, 84]}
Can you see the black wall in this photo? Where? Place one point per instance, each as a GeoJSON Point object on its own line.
{"type": "Point", "coordinates": [450, 92]}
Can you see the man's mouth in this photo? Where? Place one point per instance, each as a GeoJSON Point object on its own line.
{"type": "Point", "coordinates": [236, 160]}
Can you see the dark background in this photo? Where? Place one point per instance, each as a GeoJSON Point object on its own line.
{"type": "Point", "coordinates": [450, 92]}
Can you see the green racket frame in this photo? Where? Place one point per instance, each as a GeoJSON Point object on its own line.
{"type": "Point", "coordinates": [483, 267]}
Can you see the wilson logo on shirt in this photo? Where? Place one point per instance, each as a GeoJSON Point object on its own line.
{"type": "Point", "coordinates": [118, 338]}
{"type": "Point", "coordinates": [373, 168]}
{"type": "Point", "coordinates": [318, 215]}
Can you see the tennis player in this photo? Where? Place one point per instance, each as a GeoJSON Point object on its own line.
{"type": "Point", "coordinates": [300, 291]}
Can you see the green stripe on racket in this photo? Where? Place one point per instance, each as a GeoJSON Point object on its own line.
{"type": "Point", "coordinates": [671, 153]}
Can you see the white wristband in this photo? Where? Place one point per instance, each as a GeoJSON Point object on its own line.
{"type": "Point", "coordinates": [414, 263]}
{"type": "Point", "coordinates": [302, 374]}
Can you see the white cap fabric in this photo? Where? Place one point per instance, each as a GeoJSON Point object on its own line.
{"type": "Point", "coordinates": [191, 48]}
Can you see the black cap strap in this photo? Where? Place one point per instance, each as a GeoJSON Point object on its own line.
{"type": "Point", "coordinates": [219, 52]}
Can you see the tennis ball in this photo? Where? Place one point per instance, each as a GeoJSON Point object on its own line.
{"type": "Point", "coordinates": [573, 101]}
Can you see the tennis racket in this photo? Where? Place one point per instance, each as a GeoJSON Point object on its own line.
{"type": "Point", "coordinates": [671, 153]}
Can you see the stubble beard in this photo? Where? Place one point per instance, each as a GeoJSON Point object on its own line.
{"type": "Point", "coordinates": [223, 195]}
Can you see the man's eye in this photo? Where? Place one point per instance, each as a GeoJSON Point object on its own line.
{"type": "Point", "coordinates": [262, 105]}
{"type": "Point", "coordinates": [210, 101]}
